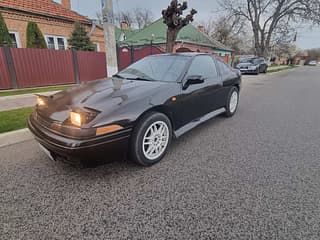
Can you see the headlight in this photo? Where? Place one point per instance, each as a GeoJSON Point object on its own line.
{"type": "Point", "coordinates": [41, 101]}
{"type": "Point", "coordinates": [79, 117]}
{"type": "Point", "coordinates": [76, 119]}
{"type": "Point", "coordinates": [252, 67]}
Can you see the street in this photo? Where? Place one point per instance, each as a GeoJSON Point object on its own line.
{"type": "Point", "coordinates": [254, 176]}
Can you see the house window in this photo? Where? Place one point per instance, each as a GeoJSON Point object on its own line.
{"type": "Point", "coordinates": [50, 43]}
{"type": "Point", "coordinates": [56, 42]}
{"type": "Point", "coordinates": [61, 44]}
{"type": "Point", "coordinates": [15, 39]}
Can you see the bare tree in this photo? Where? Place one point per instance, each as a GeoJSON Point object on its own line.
{"type": "Point", "coordinates": [143, 17]}
{"type": "Point", "coordinates": [231, 31]}
{"type": "Point", "coordinates": [227, 28]}
{"type": "Point", "coordinates": [209, 26]}
{"type": "Point", "coordinates": [124, 16]}
{"type": "Point", "coordinates": [172, 17]}
{"type": "Point", "coordinates": [138, 17]}
{"type": "Point", "coordinates": [266, 17]}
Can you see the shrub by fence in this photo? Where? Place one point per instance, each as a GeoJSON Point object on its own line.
{"type": "Point", "coordinates": [23, 68]}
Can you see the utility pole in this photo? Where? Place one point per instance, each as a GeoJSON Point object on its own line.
{"type": "Point", "coordinates": [109, 36]}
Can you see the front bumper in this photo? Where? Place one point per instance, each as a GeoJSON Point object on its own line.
{"type": "Point", "coordinates": [246, 71]}
{"type": "Point", "coordinates": [101, 147]}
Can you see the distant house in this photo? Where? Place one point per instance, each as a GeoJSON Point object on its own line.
{"type": "Point", "coordinates": [54, 20]}
{"type": "Point", "coordinates": [152, 40]}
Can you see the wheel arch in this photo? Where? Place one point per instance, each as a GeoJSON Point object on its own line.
{"type": "Point", "coordinates": [160, 109]}
{"type": "Point", "coordinates": [237, 85]}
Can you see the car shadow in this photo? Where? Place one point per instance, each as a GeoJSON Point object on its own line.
{"type": "Point", "coordinates": [119, 161]}
{"type": "Point", "coordinates": [202, 128]}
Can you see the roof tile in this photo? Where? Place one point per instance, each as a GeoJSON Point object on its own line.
{"type": "Point", "coordinates": [46, 7]}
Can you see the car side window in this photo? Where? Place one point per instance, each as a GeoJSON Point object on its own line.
{"type": "Point", "coordinates": [224, 68]}
{"type": "Point", "coordinates": [203, 66]}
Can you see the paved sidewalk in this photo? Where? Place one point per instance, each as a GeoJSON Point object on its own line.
{"type": "Point", "coordinates": [20, 101]}
{"type": "Point", "coordinates": [10, 138]}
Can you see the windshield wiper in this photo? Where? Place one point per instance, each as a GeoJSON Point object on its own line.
{"type": "Point", "coordinates": [118, 76]}
{"type": "Point", "coordinates": [140, 79]}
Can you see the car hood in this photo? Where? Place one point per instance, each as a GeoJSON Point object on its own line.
{"type": "Point", "coordinates": [102, 95]}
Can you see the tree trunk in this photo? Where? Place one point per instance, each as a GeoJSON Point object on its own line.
{"type": "Point", "coordinates": [171, 39]}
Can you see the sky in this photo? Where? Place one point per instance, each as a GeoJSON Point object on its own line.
{"type": "Point", "coordinates": [307, 38]}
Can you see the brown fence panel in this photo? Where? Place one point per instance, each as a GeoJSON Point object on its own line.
{"type": "Point", "coordinates": [124, 57]}
{"type": "Point", "coordinates": [42, 67]}
{"type": "Point", "coordinates": [146, 51]}
{"type": "Point", "coordinates": [92, 65]}
{"type": "Point", "coordinates": [5, 82]}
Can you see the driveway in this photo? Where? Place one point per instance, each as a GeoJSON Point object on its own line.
{"type": "Point", "coordinates": [254, 176]}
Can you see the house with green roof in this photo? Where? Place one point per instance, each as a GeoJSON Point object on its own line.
{"type": "Point", "coordinates": [152, 40]}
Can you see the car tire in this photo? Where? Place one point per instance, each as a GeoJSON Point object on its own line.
{"type": "Point", "coordinates": [151, 139]}
{"type": "Point", "coordinates": [232, 102]}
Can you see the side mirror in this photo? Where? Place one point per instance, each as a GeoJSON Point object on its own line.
{"type": "Point", "coordinates": [193, 79]}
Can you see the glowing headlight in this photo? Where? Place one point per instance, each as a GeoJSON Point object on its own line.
{"type": "Point", "coordinates": [76, 119]}
{"type": "Point", "coordinates": [41, 101]}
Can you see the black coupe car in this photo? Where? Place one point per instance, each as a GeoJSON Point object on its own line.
{"type": "Point", "coordinates": [253, 65]}
{"type": "Point", "coordinates": [140, 109]}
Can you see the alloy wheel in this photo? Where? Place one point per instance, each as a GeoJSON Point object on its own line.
{"type": "Point", "coordinates": [155, 140]}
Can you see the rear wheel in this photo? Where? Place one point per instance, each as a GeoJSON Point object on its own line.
{"type": "Point", "coordinates": [151, 139]}
{"type": "Point", "coordinates": [266, 70]}
{"type": "Point", "coordinates": [233, 102]}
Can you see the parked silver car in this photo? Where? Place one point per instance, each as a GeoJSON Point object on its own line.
{"type": "Point", "coordinates": [313, 63]}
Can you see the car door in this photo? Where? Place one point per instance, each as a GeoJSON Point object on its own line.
{"type": "Point", "coordinates": [198, 99]}
{"type": "Point", "coordinates": [228, 79]}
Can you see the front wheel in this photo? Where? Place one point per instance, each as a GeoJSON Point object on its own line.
{"type": "Point", "coordinates": [233, 102]}
{"type": "Point", "coordinates": [151, 139]}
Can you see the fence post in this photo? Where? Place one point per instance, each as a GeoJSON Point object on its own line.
{"type": "Point", "coordinates": [76, 66]}
{"type": "Point", "coordinates": [12, 71]}
{"type": "Point", "coordinates": [131, 54]}
{"type": "Point", "coordinates": [118, 54]}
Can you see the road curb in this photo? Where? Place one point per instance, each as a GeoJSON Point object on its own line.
{"type": "Point", "coordinates": [27, 95]}
{"type": "Point", "coordinates": [10, 138]}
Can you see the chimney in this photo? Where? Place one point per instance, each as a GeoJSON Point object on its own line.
{"type": "Point", "coordinates": [66, 4]}
{"type": "Point", "coordinates": [124, 26]}
{"type": "Point", "coordinates": [201, 28]}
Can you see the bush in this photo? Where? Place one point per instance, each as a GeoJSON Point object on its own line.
{"type": "Point", "coordinates": [5, 38]}
{"type": "Point", "coordinates": [35, 37]}
{"type": "Point", "coordinates": [79, 39]}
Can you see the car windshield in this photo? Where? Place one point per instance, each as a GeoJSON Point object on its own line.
{"type": "Point", "coordinates": [252, 60]}
{"type": "Point", "coordinates": [156, 68]}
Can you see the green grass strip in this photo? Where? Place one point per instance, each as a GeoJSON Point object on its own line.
{"type": "Point", "coordinates": [14, 119]}
{"type": "Point", "coordinates": [33, 90]}
{"type": "Point", "coordinates": [270, 70]}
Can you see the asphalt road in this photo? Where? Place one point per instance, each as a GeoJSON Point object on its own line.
{"type": "Point", "coordinates": [255, 176]}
